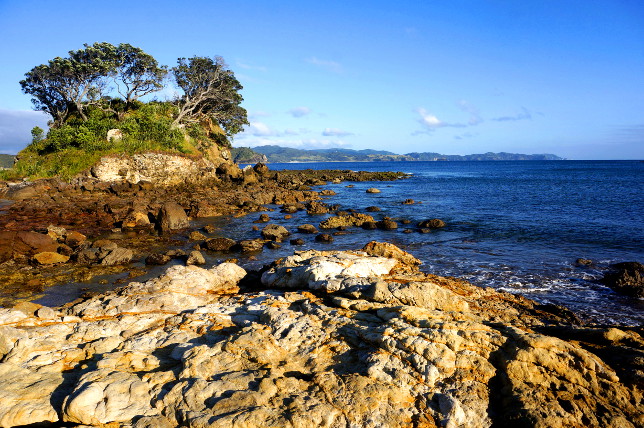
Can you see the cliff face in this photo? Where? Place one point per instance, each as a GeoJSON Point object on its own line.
{"type": "Point", "coordinates": [334, 339]}
{"type": "Point", "coordinates": [160, 169]}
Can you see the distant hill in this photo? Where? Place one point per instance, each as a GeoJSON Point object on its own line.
{"type": "Point", "coordinates": [276, 154]}
{"type": "Point", "coordinates": [6, 161]}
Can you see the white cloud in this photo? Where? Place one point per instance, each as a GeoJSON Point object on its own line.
{"type": "Point", "coordinates": [335, 132]}
{"type": "Point", "coordinates": [475, 116]}
{"type": "Point", "coordinates": [326, 64]}
{"type": "Point", "coordinates": [300, 111]}
{"type": "Point", "coordinates": [15, 128]}
{"type": "Point", "coordinates": [260, 129]}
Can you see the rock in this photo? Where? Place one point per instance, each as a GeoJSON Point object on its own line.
{"type": "Point", "coordinates": [114, 135]}
{"type": "Point", "coordinates": [327, 192]}
{"type": "Point", "coordinates": [136, 218]}
{"type": "Point", "coordinates": [431, 224]}
{"type": "Point", "coordinates": [56, 233]}
{"type": "Point", "coordinates": [272, 245]}
{"type": "Point", "coordinates": [118, 256]}
{"type": "Point", "coordinates": [172, 217]}
{"type": "Point", "coordinates": [373, 190]}
{"type": "Point", "coordinates": [74, 239]}
{"type": "Point", "coordinates": [290, 209]}
{"type": "Point", "coordinates": [354, 219]}
{"type": "Point", "coordinates": [157, 259]}
{"type": "Point", "coordinates": [324, 237]}
{"type": "Point", "coordinates": [50, 258]}
{"type": "Point", "coordinates": [195, 235]}
{"type": "Point", "coordinates": [314, 208]}
{"type": "Point", "coordinates": [373, 209]}
{"type": "Point", "coordinates": [298, 241]}
{"type": "Point", "coordinates": [409, 202]}
{"type": "Point", "coordinates": [219, 244]}
{"type": "Point", "coordinates": [339, 338]}
{"type": "Point", "coordinates": [261, 169]}
{"type": "Point", "coordinates": [263, 218]}
{"type": "Point", "coordinates": [626, 278]}
{"type": "Point", "coordinates": [387, 224]}
{"type": "Point", "coordinates": [369, 225]}
{"type": "Point", "coordinates": [249, 246]}
{"type": "Point", "coordinates": [209, 228]}
{"type": "Point", "coordinates": [195, 258]}
{"type": "Point", "coordinates": [390, 251]}
{"type": "Point", "coordinates": [275, 232]}
{"type": "Point", "coordinates": [307, 228]}
{"type": "Point", "coordinates": [583, 262]}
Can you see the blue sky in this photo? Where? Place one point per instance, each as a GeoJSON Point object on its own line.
{"type": "Point", "coordinates": [457, 77]}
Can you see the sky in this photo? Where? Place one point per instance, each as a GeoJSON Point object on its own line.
{"type": "Point", "coordinates": [454, 77]}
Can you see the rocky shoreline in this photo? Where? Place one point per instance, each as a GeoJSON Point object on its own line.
{"type": "Point", "coordinates": [353, 338]}
{"type": "Point", "coordinates": [357, 338]}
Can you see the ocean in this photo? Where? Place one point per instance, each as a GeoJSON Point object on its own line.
{"type": "Point", "coordinates": [516, 226]}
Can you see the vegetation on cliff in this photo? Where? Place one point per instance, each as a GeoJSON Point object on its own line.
{"type": "Point", "coordinates": [95, 97]}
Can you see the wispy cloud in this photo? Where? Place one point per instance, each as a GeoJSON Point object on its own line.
{"type": "Point", "coordinates": [333, 66]}
{"type": "Point", "coordinates": [431, 122]}
{"type": "Point", "coordinates": [260, 129]}
{"type": "Point", "coordinates": [306, 143]}
{"type": "Point", "coordinates": [300, 111]}
{"type": "Point", "coordinates": [524, 114]}
{"type": "Point", "coordinates": [475, 116]}
{"type": "Point", "coordinates": [335, 132]}
{"type": "Point", "coordinates": [15, 128]}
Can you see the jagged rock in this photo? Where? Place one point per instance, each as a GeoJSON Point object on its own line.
{"type": "Point", "coordinates": [307, 228]}
{"type": "Point", "coordinates": [219, 244]}
{"type": "Point", "coordinates": [261, 169]}
{"type": "Point", "coordinates": [626, 278]}
{"type": "Point", "coordinates": [249, 245]}
{"type": "Point", "coordinates": [380, 348]}
{"type": "Point", "coordinates": [118, 256]}
{"type": "Point", "coordinates": [314, 207]}
{"type": "Point", "coordinates": [172, 216]}
{"type": "Point", "coordinates": [275, 232]}
{"type": "Point", "coordinates": [195, 235]}
{"type": "Point", "coordinates": [354, 219]}
{"type": "Point", "coordinates": [434, 223]}
{"type": "Point", "coordinates": [157, 259]}
{"type": "Point", "coordinates": [195, 258]}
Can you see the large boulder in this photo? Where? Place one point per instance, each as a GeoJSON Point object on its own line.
{"type": "Point", "coordinates": [354, 219]}
{"type": "Point", "coordinates": [172, 217]}
{"type": "Point", "coordinates": [626, 278]}
{"type": "Point", "coordinates": [275, 232]}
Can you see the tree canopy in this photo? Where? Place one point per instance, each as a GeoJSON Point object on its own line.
{"type": "Point", "coordinates": [114, 78]}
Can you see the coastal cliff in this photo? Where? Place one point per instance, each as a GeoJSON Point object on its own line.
{"type": "Point", "coordinates": [347, 338]}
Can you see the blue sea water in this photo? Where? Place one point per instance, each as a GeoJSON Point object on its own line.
{"type": "Point", "coordinates": [515, 226]}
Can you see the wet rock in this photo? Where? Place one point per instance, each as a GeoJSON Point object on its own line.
{"type": "Point", "coordinates": [172, 217]}
{"type": "Point", "coordinates": [369, 225]}
{"type": "Point", "coordinates": [87, 255]}
{"type": "Point", "coordinates": [626, 278]}
{"type": "Point", "coordinates": [373, 209]}
{"type": "Point", "coordinates": [157, 259]}
{"type": "Point", "coordinates": [275, 232]}
{"type": "Point", "coordinates": [272, 245]}
{"type": "Point", "coordinates": [290, 209]}
{"type": "Point", "coordinates": [249, 246]}
{"type": "Point", "coordinates": [431, 224]}
{"type": "Point", "coordinates": [136, 218]}
{"type": "Point", "coordinates": [327, 192]}
{"type": "Point", "coordinates": [118, 256]}
{"type": "Point", "coordinates": [74, 239]}
{"type": "Point", "coordinates": [373, 190]}
{"type": "Point", "coordinates": [324, 237]}
{"type": "Point", "coordinates": [390, 251]}
{"type": "Point", "coordinates": [50, 258]}
{"type": "Point", "coordinates": [387, 224]}
{"type": "Point", "coordinates": [195, 258]}
{"type": "Point", "coordinates": [263, 218]}
{"type": "Point", "coordinates": [314, 208]}
{"type": "Point", "coordinates": [209, 228]}
{"type": "Point", "coordinates": [219, 244]}
{"type": "Point", "coordinates": [583, 262]}
{"type": "Point", "coordinates": [409, 202]}
{"type": "Point", "coordinates": [197, 236]}
{"type": "Point", "coordinates": [297, 241]}
{"type": "Point", "coordinates": [307, 228]}
{"type": "Point", "coordinates": [355, 219]}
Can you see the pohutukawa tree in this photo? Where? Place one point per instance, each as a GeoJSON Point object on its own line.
{"type": "Point", "coordinates": [210, 90]}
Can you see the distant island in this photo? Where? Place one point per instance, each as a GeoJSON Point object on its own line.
{"type": "Point", "coordinates": [278, 154]}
